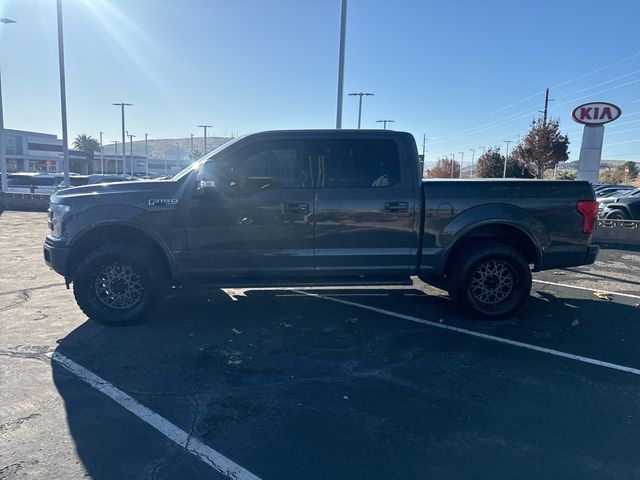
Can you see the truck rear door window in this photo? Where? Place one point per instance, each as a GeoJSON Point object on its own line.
{"type": "Point", "coordinates": [359, 164]}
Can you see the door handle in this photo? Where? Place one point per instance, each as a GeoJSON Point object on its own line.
{"type": "Point", "coordinates": [396, 207]}
{"type": "Point", "coordinates": [296, 208]}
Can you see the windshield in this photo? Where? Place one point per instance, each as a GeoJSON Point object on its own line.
{"type": "Point", "coordinates": [196, 165]}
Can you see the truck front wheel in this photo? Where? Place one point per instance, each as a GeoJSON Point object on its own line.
{"type": "Point", "coordinates": [117, 285]}
{"type": "Point", "coordinates": [490, 281]}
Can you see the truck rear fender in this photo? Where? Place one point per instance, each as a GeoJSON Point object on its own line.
{"type": "Point", "coordinates": [496, 222]}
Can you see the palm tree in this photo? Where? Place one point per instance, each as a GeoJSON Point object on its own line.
{"type": "Point", "coordinates": [88, 145]}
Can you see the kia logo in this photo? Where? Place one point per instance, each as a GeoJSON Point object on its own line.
{"type": "Point", "coordinates": [597, 113]}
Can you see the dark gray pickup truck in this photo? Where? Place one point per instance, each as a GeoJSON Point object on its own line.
{"type": "Point", "coordinates": [329, 207]}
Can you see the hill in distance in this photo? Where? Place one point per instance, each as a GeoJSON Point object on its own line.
{"type": "Point", "coordinates": [168, 148]}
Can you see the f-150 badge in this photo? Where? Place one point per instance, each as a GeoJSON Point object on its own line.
{"type": "Point", "coordinates": [157, 202]}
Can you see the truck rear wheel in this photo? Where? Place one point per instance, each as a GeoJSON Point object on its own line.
{"type": "Point", "coordinates": [490, 281]}
{"type": "Point", "coordinates": [117, 285]}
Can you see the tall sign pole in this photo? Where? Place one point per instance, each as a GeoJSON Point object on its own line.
{"type": "Point", "coordinates": [343, 31]}
{"type": "Point", "coordinates": [63, 98]}
{"type": "Point", "coordinates": [593, 116]}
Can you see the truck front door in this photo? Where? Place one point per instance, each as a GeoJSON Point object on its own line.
{"type": "Point", "coordinates": [256, 220]}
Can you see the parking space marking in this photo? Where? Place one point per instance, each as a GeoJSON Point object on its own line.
{"type": "Point", "coordinates": [194, 446]}
{"type": "Point", "coordinates": [484, 336]}
{"type": "Point", "coordinates": [628, 295]}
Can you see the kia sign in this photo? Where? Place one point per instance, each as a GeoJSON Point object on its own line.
{"type": "Point", "coordinates": [597, 113]}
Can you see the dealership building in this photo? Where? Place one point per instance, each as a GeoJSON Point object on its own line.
{"type": "Point", "coordinates": [42, 152]}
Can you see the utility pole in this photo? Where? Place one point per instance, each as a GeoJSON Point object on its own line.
{"type": "Point", "coordinates": [115, 156]}
{"type": "Point", "coordinates": [360, 94]}
{"type": "Point", "coordinates": [122, 105]}
{"type": "Point", "coordinates": [453, 161]}
{"type": "Point", "coordinates": [424, 152]}
{"type": "Point", "coordinates": [343, 31]}
{"type": "Point", "coordinates": [546, 106]}
{"type": "Point", "coordinates": [461, 162]}
{"type": "Point", "coordinates": [385, 123]}
{"type": "Point", "coordinates": [177, 157]}
{"type": "Point", "coordinates": [473, 157]}
{"type": "Point", "coordinates": [205, 136]}
{"type": "Point", "coordinates": [131, 152]}
{"type": "Point", "coordinates": [506, 159]}
{"type": "Point", "coordinates": [192, 143]}
{"type": "Point", "coordinates": [101, 155]}
{"type": "Point", "coordinates": [146, 154]}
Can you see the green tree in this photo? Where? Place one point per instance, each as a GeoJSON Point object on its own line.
{"type": "Point", "coordinates": [566, 175]}
{"type": "Point", "coordinates": [194, 155]}
{"type": "Point", "coordinates": [633, 169]}
{"type": "Point", "coordinates": [445, 168]}
{"type": "Point", "coordinates": [89, 146]}
{"type": "Point", "coordinates": [491, 165]}
{"type": "Point", "coordinates": [542, 148]}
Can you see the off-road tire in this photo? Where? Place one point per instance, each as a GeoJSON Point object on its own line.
{"type": "Point", "coordinates": [118, 285]}
{"type": "Point", "coordinates": [490, 281]}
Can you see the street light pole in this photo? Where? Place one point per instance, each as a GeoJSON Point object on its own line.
{"type": "Point", "coordinates": [131, 152]}
{"type": "Point", "coordinates": [3, 154]}
{"type": "Point", "coordinates": [461, 162]}
{"type": "Point", "coordinates": [63, 97]}
{"type": "Point", "coordinates": [192, 143]}
{"type": "Point", "coordinates": [101, 155]}
{"type": "Point", "coordinates": [146, 155]}
{"type": "Point", "coordinates": [473, 157]}
{"type": "Point", "coordinates": [122, 105]}
{"type": "Point", "coordinates": [343, 31]}
{"type": "Point", "coordinates": [385, 123]}
{"type": "Point", "coordinates": [178, 157]}
{"type": "Point", "coordinates": [205, 136]}
{"type": "Point", "coordinates": [506, 159]}
{"type": "Point", "coordinates": [453, 162]}
{"type": "Point", "coordinates": [360, 94]}
{"type": "Point", "coordinates": [115, 157]}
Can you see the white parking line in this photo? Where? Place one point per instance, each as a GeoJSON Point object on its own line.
{"type": "Point", "coordinates": [628, 295]}
{"type": "Point", "coordinates": [557, 353]}
{"type": "Point", "coordinates": [194, 446]}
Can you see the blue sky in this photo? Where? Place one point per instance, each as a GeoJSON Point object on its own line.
{"type": "Point", "coordinates": [465, 73]}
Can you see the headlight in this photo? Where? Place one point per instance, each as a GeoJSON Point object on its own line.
{"type": "Point", "coordinates": [57, 214]}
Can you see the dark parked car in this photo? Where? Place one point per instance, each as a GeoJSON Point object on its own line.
{"type": "Point", "coordinates": [331, 207]}
{"type": "Point", "coordinates": [624, 207]}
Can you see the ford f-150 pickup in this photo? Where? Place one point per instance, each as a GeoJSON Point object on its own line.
{"type": "Point", "coordinates": [315, 207]}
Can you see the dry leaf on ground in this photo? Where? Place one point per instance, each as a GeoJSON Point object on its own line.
{"type": "Point", "coordinates": [602, 295]}
{"type": "Point", "coordinates": [559, 273]}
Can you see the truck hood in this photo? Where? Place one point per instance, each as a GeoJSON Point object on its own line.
{"type": "Point", "coordinates": [119, 192]}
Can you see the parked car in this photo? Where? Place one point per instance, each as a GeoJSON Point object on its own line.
{"type": "Point", "coordinates": [327, 207]}
{"type": "Point", "coordinates": [79, 180]}
{"type": "Point", "coordinates": [626, 207]}
{"type": "Point", "coordinates": [37, 183]}
{"type": "Point", "coordinates": [604, 202]}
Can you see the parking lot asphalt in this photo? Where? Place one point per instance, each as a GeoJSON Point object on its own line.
{"type": "Point", "coordinates": [371, 383]}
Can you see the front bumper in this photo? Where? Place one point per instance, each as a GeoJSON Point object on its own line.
{"type": "Point", "coordinates": [56, 256]}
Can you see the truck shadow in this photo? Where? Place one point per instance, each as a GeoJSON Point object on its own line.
{"type": "Point", "coordinates": [279, 382]}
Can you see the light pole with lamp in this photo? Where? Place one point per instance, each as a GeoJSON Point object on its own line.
{"type": "Point", "coordinates": [384, 122]}
{"type": "Point", "coordinates": [3, 154]}
{"type": "Point", "coordinates": [146, 154]}
{"type": "Point", "coordinates": [115, 156]}
{"type": "Point", "coordinates": [101, 155]}
{"type": "Point", "coordinates": [360, 94]}
{"type": "Point", "coordinates": [122, 105]}
{"type": "Point", "coordinates": [131, 136]}
{"type": "Point", "coordinates": [506, 159]}
{"type": "Point", "coordinates": [205, 136]}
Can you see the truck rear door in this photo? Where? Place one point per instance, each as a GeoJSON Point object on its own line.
{"type": "Point", "coordinates": [365, 206]}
